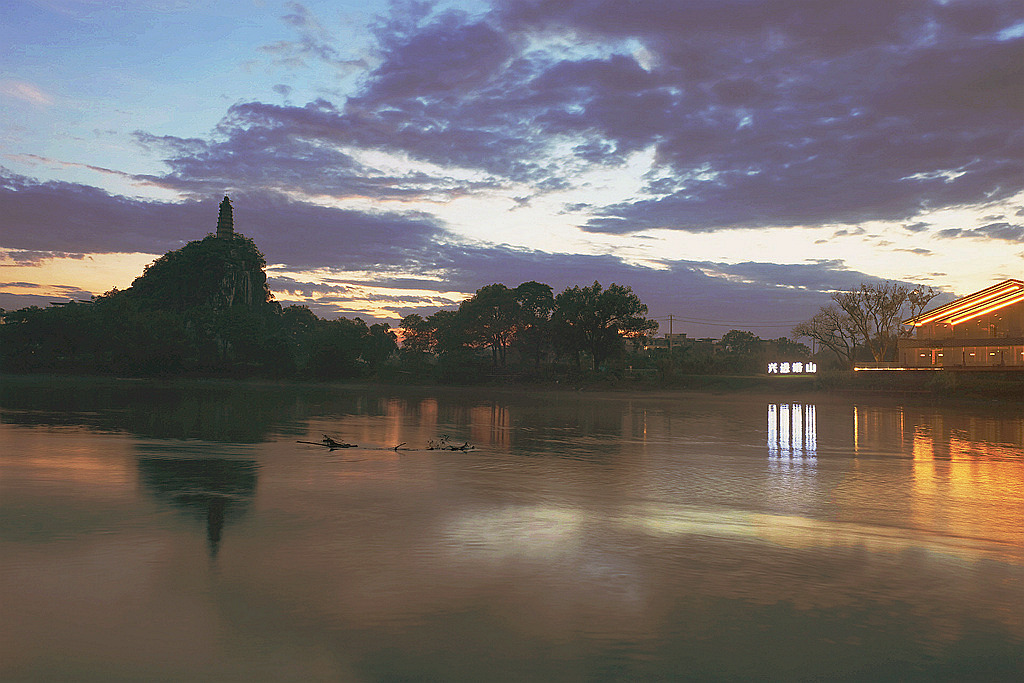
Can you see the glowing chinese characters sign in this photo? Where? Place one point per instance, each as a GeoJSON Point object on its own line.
{"type": "Point", "coordinates": [792, 368]}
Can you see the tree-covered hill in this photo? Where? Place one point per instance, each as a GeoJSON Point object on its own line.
{"type": "Point", "coordinates": [203, 309]}
{"type": "Point", "coordinates": [215, 272]}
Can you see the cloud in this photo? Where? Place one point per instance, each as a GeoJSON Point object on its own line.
{"type": "Point", "coordinates": [314, 42]}
{"type": "Point", "coordinates": [993, 231]}
{"type": "Point", "coordinates": [26, 92]}
{"type": "Point", "coordinates": [25, 257]}
{"type": "Point", "coordinates": [757, 113]}
{"type": "Point", "coordinates": [762, 113]}
{"type": "Point", "coordinates": [400, 263]}
{"type": "Point", "coordinates": [265, 147]}
{"type": "Point", "coordinates": [919, 226]}
{"type": "Point", "coordinates": [60, 216]}
{"type": "Point", "coordinates": [33, 159]}
{"type": "Point", "coordinates": [13, 302]}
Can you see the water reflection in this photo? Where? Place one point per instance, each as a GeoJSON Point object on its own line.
{"type": "Point", "coordinates": [599, 538]}
{"type": "Point", "coordinates": [212, 490]}
{"type": "Point", "coordinates": [792, 430]}
{"type": "Point", "coordinates": [942, 432]}
{"type": "Point", "coordinates": [225, 412]}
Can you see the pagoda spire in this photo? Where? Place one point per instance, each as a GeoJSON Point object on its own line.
{"type": "Point", "coordinates": [225, 221]}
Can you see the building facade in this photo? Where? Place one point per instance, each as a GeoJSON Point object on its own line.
{"type": "Point", "coordinates": [984, 330]}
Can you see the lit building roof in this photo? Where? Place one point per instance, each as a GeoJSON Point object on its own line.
{"type": "Point", "coordinates": [973, 305]}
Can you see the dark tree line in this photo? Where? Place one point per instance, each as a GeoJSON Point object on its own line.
{"type": "Point", "coordinates": [531, 323]}
{"type": "Point", "coordinates": [738, 352]}
{"type": "Point", "coordinates": [205, 309]}
{"type": "Point", "coordinates": [113, 335]}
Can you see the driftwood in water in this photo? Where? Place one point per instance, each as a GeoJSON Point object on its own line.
{"type": "Point", "coordinates": [330, 443]}
{"type": "Point", "coordinates": [443, 444]}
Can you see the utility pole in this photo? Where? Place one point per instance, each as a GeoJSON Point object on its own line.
{"type": "Point", "coordinates": [670, 364]}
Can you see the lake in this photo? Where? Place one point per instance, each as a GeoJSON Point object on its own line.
{"type": "Point", "coordinates": [181, 531]}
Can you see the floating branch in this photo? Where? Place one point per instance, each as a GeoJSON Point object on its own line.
{"type": "Point", "coordinates": [329, 443]}
{"type": "Point", "coordinates": [444, 444]}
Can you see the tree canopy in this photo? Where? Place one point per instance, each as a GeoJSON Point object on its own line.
{"type": "Point", "coordinates": [868, 317]}
{"type": "Point", "coordinates": [598, 320]}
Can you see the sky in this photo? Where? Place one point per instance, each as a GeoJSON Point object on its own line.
{"type": "Point", "coordinates": [733, 161]}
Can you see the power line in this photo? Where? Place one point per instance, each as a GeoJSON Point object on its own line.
{"type": "Point", "coordinates": [726, 323]}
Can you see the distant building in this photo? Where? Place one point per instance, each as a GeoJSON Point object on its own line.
{"type": "Point", "coordinates": [984, 330]}
{"type": "Point", "coordinates": [225, 220]}
{"type": "Point", "coordinates": [679, 340]}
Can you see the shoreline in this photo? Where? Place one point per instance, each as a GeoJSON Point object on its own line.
{"type": "Point", "coordinates": [961, 388]}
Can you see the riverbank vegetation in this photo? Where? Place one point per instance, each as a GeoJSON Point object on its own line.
{"type": "Point", "coordinates": [205, 311]}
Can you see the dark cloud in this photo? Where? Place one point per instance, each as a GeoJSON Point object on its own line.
{"type": "Point", "coordinates": [44, 218]}
{"type": "Point", "coordinates": [760, 112]}
{"type": "Point", "coordinates": [25, 257]}
{"type": "Point", "coordinates": [12, 302]}
{"type": "Point", "coordinates": [279, 148]}
{"type": "Point", "coordinates": [920, 226]}
{"type": "Point", "coordinates": [304, 289]}
{"type": "Point", "coordinates": [789, 112]}
{"type": "Point", "coordinates": [62, 294]}
{"type": "Point", "coordinates": [846, 232]}
{"type": "Point", "coordinates": [993, 231]}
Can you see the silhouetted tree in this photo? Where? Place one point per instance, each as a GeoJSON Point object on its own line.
{"type": "Point", "coordinates": [597, 321]}
{"type": "Point", "coordinates": [417, 334]}
{"type": "Point", "coordinates": [833, 329]}
{"type": "Point", "coordinates": [380, 343]}
{"type": "Point", "coordinates": [488, 318]}
{"type": "Point", "coordinates": [869, 316]}
{"type": "Point", "coordinates": [336, 349]}
{"type": "Point", "coordinates": [534, 304]}
{"type": "Point", "coordinates": [743, 350]}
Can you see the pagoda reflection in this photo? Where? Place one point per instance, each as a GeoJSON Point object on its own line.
{"type": "Point", "coordinates": [211, 490]}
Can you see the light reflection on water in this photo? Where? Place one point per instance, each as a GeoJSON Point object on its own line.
{"type": "Point", "coordinates": [597, 538]}
{"type": "Point", "coordinates": [792, 430]}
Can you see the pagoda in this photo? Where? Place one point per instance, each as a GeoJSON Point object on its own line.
{"type": "Point", "coordinates": [225, 220]}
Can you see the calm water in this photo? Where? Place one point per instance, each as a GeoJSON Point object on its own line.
{"type": "Point", "coordinates": [181, 532]}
